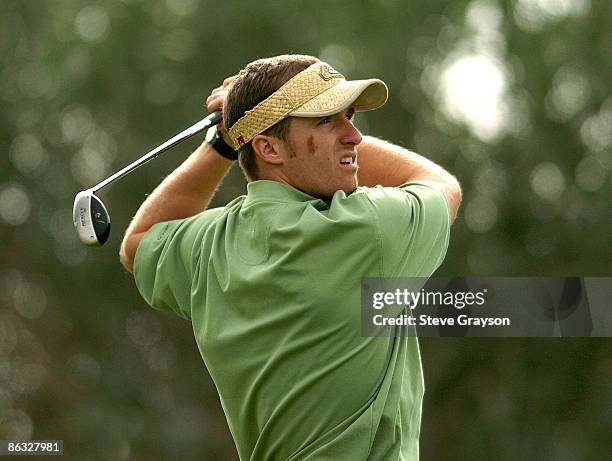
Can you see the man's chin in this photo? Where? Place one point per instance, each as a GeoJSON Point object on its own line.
{"type": "Point", "coordinates": [349, 190]}
{"type": "Point", "coordinates": [351, 187]}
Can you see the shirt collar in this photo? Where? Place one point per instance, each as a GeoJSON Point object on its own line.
{"type": "Point", "coordinates": [275, 191]}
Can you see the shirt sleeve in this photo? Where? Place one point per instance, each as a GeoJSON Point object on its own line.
{"type": "Point", "coordinates": [167, 260]}
{"type": "Point", "coordinates": [414, 225]}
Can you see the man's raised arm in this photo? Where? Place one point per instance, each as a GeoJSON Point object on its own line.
{"type": "Point", "coordinates": [184, 193]}
{"type": "Point", "coordinates": [383, 163]}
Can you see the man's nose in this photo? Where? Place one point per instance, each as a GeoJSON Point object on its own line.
{"type": "Point", "coordinates": [351, 134]}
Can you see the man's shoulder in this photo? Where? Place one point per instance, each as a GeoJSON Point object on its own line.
{"type": "Point", "coordinates": [414, 187]}
{"type": "Point", "coordinates": [403, 204]}
{"type": "Point", "coordinates": [197, 223]}
{"type": "Point", "coordinates": [237, 202]}
{"type": "Point", "coordinates": [416, 193]}
{"type": "Point", "coordinates": [212, 214]}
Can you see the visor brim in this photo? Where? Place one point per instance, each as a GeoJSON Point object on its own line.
{"type": "Point", "coordinates": [362, 95]}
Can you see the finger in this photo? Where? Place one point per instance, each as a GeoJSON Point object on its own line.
{"type": "Point", "coordinates": [229, 80]}
{"type": "Point", "coordinates": [214, 107]}
{"type": "Point", "coordinates": [216, 94]}
{"type": "Point", "coordinates": [215, 104]}
{"type": "Point", "coordinates": [218, 89]}
{"type": "Point", "coordinates": [214, 101]}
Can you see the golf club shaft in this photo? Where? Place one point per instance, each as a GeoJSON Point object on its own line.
{"type": "Point", "coordinates": [198, 127]}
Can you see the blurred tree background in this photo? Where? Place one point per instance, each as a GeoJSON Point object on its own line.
{"type": "Point", "coordinates": [513, 97]}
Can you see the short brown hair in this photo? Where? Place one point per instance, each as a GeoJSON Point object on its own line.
{"type": "Point", "coordinates": [254, 83]}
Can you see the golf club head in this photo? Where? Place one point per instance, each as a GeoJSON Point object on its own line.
{"type": "Point", "coordinates": [91, 220]}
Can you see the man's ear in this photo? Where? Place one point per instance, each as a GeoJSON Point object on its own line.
{"type": "Point", "coordinates": [267, 148]}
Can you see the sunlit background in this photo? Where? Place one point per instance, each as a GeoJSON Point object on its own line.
{"type": "Point", "coordinates": [513, 97]}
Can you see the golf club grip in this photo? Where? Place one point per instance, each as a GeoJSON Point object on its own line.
{"type": "Point", "coordinates": [215, 117]}
{"type": "Point", "coordinates": [194, 129]}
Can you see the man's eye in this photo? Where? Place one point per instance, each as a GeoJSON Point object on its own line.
{"type": "Point", "coordinates": [324, 121]}
{"type": "Point", "coordinates": [350, 114]}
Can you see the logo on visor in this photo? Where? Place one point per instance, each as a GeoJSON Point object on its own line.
{"type": "Point", "coordinates": [327, 72]}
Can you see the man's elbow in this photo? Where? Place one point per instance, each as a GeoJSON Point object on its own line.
{"type": "Point", "coordinates": [127, 252]}
{"type": "Point", "coordinates": [126, 260]}
{"type": "Point", "coordinates": [454, 197]}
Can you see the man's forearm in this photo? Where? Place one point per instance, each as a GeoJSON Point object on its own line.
{"type": "Point", "coordinates": [185, 192]}
{"type": "Point", "coordinates": [389, 165]}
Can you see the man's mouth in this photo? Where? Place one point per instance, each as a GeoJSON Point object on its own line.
{"type": "Point", "coordinates": [347, 160]}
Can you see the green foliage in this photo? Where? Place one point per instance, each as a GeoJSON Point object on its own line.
{"type": "Point", "coordinates": [87, 87]}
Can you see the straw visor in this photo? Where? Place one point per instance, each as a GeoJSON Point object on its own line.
{"type": "Point", "coordinates": [317, 91]}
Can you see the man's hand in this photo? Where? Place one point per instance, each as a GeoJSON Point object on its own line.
{"type": "Point", "coordinates": [215, 102]}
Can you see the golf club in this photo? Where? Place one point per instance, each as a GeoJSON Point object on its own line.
{"type": "Point", "coordinates": [90, 216]}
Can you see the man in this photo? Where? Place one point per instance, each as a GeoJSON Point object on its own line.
{"type": "Point", "coordinates": [271, 281]}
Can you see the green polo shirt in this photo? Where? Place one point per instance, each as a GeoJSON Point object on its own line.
{"type": "Point", "coordinates": [271, 284]}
